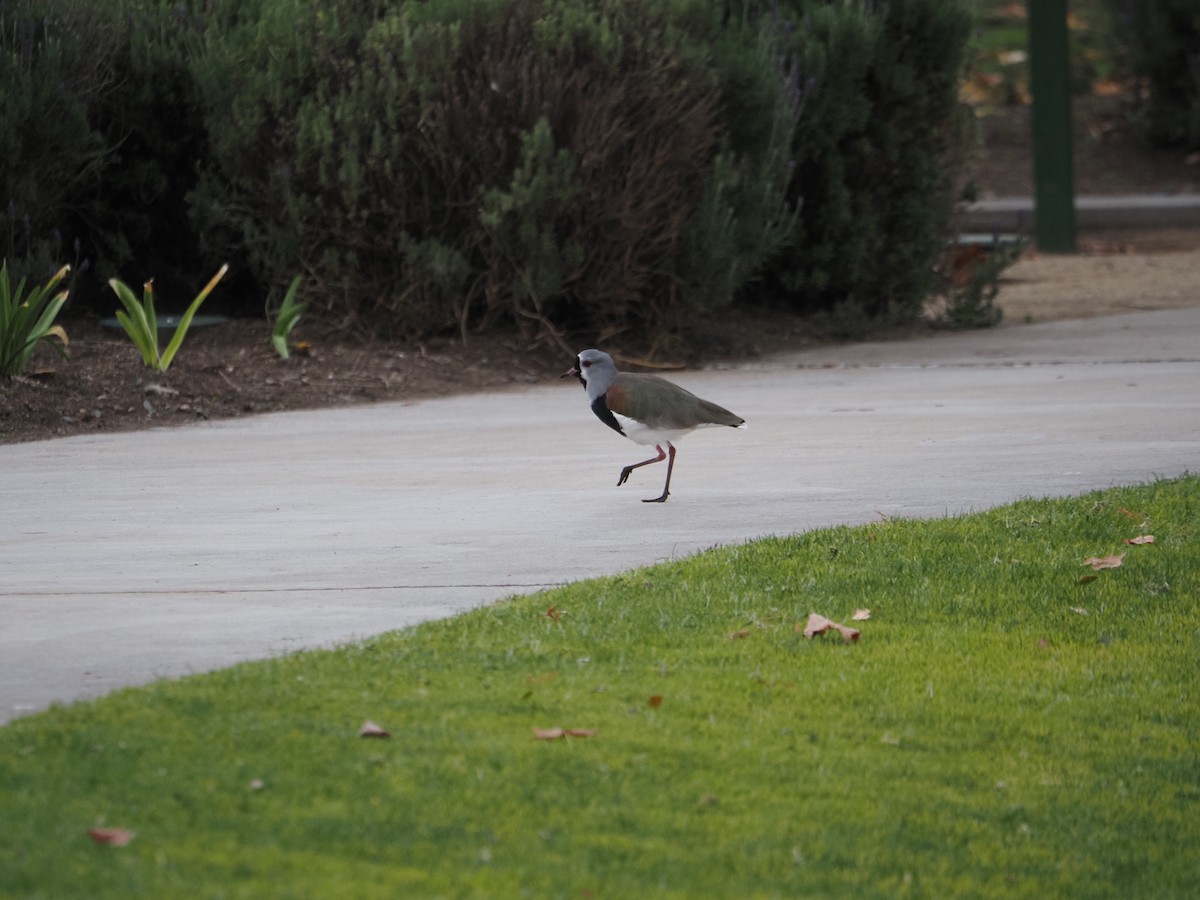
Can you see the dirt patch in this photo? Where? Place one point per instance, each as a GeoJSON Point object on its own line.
{"type": "Point", "coordinates": [1108, 158]}
{"type": "Point", "coordinates": [1043, 287]}
{"type": "Point", "coordinates": [230, 370]}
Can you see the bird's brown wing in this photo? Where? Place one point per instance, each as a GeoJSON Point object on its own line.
{"type": "Point", "coordinates": [659, 403]}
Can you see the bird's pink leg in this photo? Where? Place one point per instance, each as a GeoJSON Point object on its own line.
{"type": "Point", "coordinates": [662, 454]}
{"type": "Point", "coordinates": [645, 462]}
{"type": "Point", "coordinates": [666, 487]}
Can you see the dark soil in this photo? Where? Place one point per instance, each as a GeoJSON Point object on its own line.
{"type": "Point", "coordinates": [1109, 159]}
{"type": "Point", "coordinates": [230, 369]}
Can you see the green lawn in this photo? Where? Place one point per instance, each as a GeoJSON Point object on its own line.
{"type": "Point", "coordinates": [1010, 723]}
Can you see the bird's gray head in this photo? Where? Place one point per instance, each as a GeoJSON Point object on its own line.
{"type": "Point", "coordinates": [595, 370]}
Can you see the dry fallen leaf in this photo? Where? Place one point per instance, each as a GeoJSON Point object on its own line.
{"type": "Point", "coordinates": [818, 624]}
{"type": "Point", "coordinates": [738, 635]}
{"type": "Point", "coordinates": [554, 734]}
{"type": "Point", "coordinates": [972, 94]}
{"type": "Point", "coordinates": [1104, 562]}
{"type": "Point", "coordinates": [1105, 248]}
{"type": "Point", "coordinates": [118, 837]}
{"type": "Point", "coordinates": [1078, 610]}
{"type": "Point", "coordinates": [860, 615]}
{"type": "Point", "coordinates": [1088, 579]}
{"type": "Point", "coordinates": [552, 613]}
{"type": "Point", "coordinates": [655, 701]}
{"type": "Point", "coordinates": [964, 262]}
{"type": "Point", "coordinates": [370, 729]}
{"type": "Point", "coordinates": [1141, 539]}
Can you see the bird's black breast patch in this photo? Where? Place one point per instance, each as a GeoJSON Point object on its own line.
{"type": "Point", "coordinates": [604, 414]}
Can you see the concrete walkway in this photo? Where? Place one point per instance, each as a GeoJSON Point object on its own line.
{"type": "Point", "coordinates": [131, 557]}
{"type": "Point", "coordinates": [1018, 214]}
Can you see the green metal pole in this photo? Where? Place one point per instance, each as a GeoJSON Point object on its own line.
{"type": "Point", "coordinates": [1050, 84]}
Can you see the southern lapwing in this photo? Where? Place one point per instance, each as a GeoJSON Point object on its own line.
{"type": "Point", "coordinates": [646, 409]}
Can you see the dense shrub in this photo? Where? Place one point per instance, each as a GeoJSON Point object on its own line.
{"type": "Point", "coordinates": [560, 165]}
{"type": "Point", "coordinates": [99, 141]}
{"type": "Point", "coordinates": [152, 121]}
{"type": "Point", "coordinates": [874, 150]}
{"type": "Point", "coordinates": [1160, 40]}
{"type": "Point", "coordinates": [55, 69]}
{"type": "Point", "coordinates": [577, 168]}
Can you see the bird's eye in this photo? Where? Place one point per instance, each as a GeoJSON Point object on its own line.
{"type": "Point", "coordinates": [585, 364]}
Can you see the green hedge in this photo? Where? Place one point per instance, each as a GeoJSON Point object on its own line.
{"type": "Point", "coordinates": [583, 170]}
{"type": "Point", "coordinates": [1160, 43]}
{"type": "Point", "coordinates": [561, 166]}
{"type": "Point", "coordinates": [56, 69]}
{"type": "Point", "coordinates": [874, 148]}
{"type": "Point", "coordinates": [99, 141]}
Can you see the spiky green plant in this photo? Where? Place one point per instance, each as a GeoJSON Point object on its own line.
{"type": "Point", "coordinates": [26, 321]}
{"type": "Point", "coordinates": [286, 319]}
{"type": "Point", "coordinates": [141, 324]}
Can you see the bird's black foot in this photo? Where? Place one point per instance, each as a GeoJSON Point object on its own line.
{"type": "Point", "coordinates": [625, 476]}
{"type": "Point", "coordinates": [662, 499]}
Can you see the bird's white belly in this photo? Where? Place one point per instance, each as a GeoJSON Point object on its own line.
{"type": "Point", "coordinates": [641, 433]}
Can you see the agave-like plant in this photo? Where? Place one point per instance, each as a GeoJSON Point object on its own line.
{"type": "Point", "coordinates": [286, 319]}
{"type": "Point", "coordinates": [25, 321]}
{"type": "Point", "coordinates": [141, 324]}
